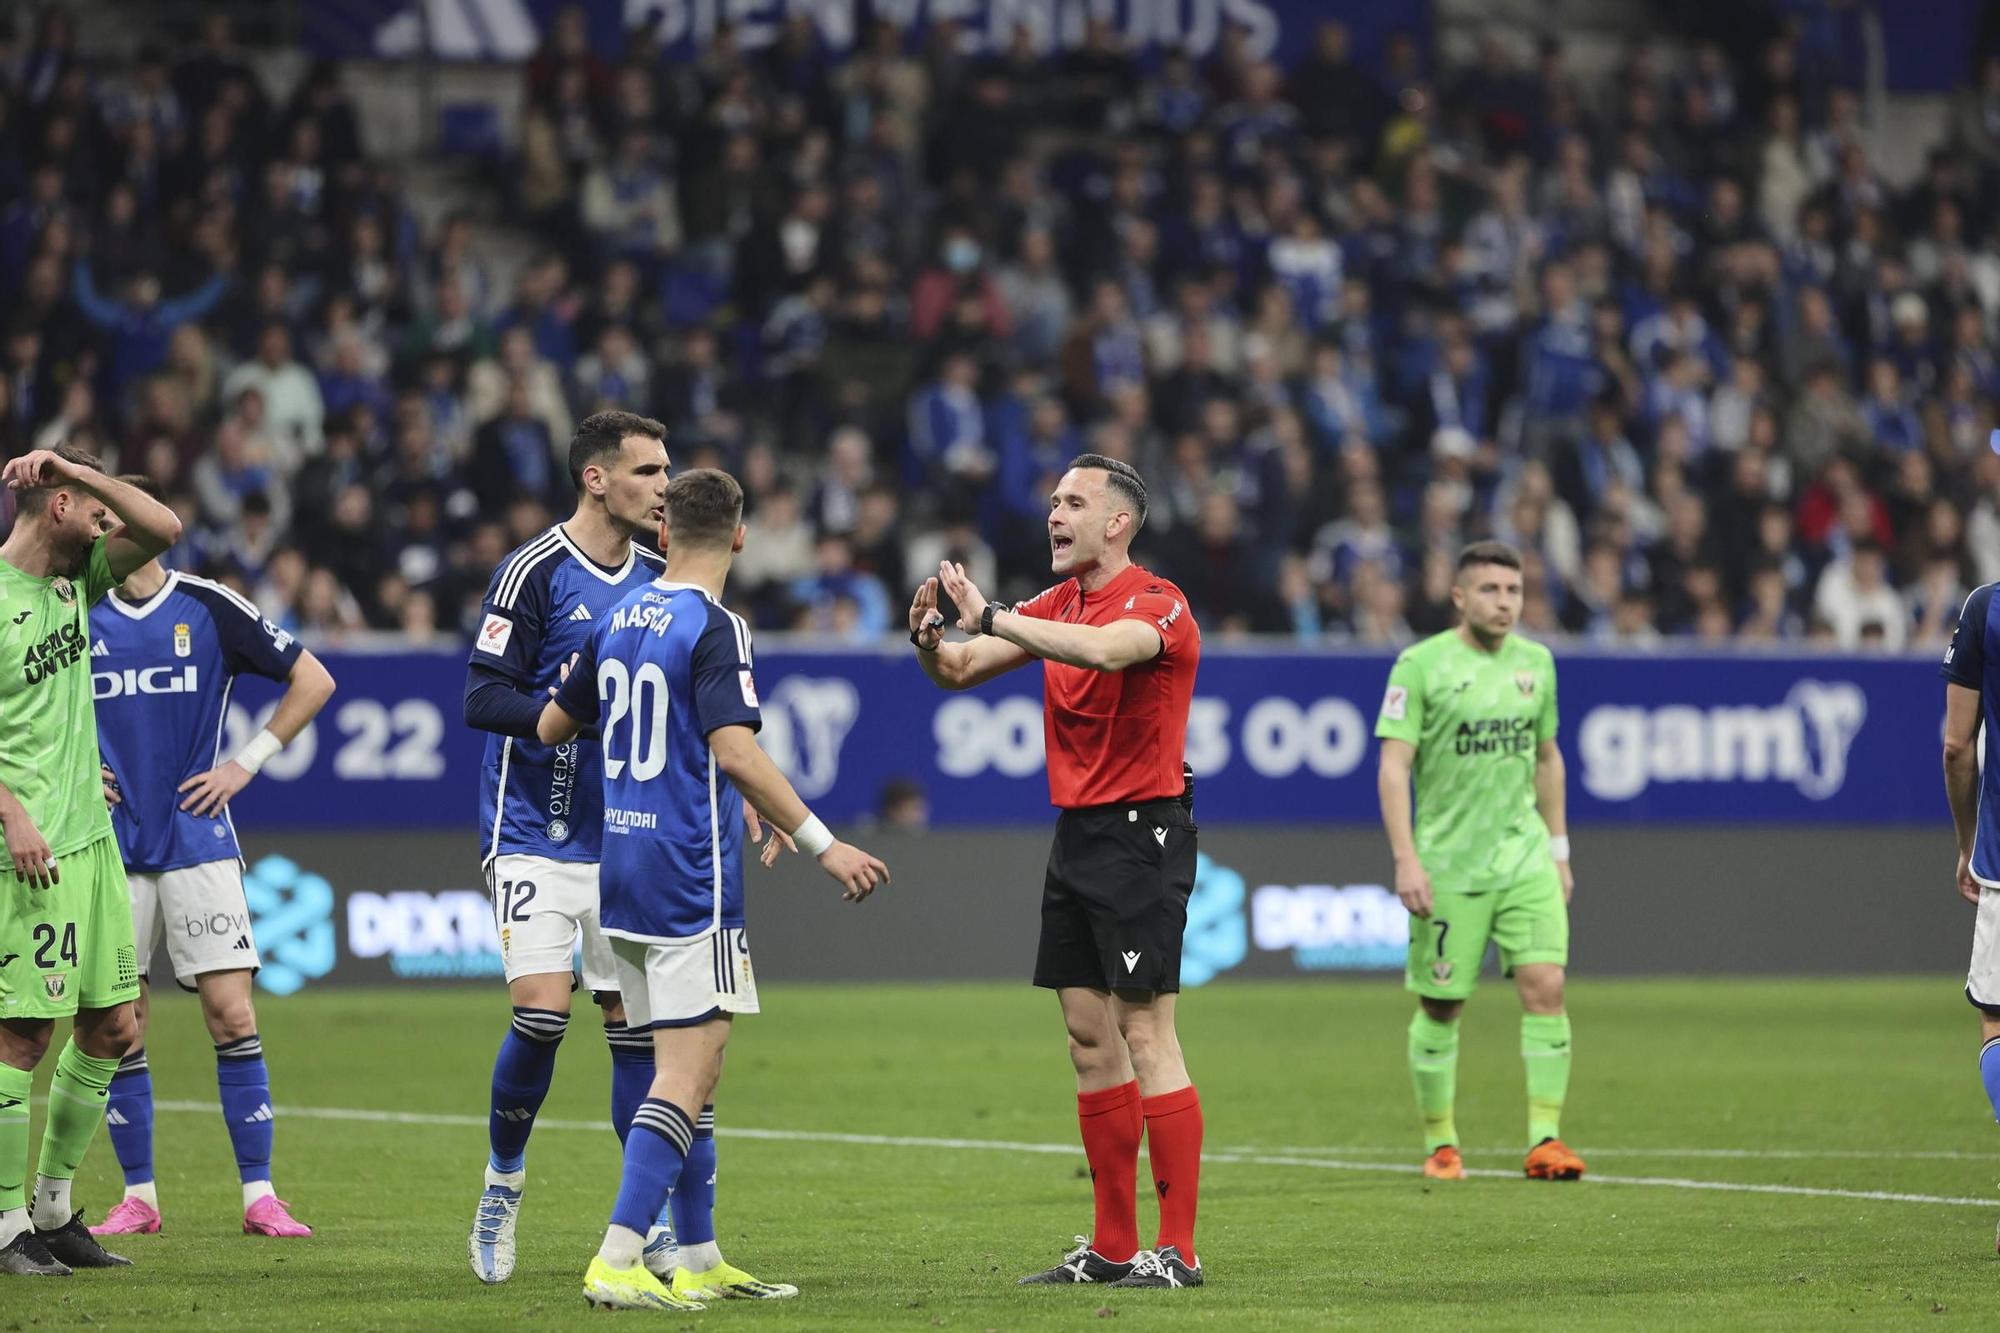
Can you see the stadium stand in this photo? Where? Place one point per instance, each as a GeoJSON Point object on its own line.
{"type": "Point", "coordinates": [1669, 331]}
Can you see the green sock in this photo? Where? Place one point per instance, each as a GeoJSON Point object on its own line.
{"type": "Point", "coordinates": [15, 1085]}
{"type": "Point", "coordinates": [1434, 1070]}
{"type": "Point", "coordinates": [1545, 1049]}
{"type": "Point", "coordinates": [76, 1108]}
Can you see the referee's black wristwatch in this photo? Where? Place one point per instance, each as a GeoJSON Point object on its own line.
{"type": "Point", "coordinates": [986, 616]}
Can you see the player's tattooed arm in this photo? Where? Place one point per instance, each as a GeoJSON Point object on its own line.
{"type": "Point", "coordinates": [1552, 800]}
{"type": "Point", "coordinates": [1392, 788]}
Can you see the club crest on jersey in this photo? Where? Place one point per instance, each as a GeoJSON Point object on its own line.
{"type": "Point", "coordinates": [55, 983]}
{"type": "Point", "coordinates": [1441, 971]}
{"type": "Point", "coordinates": [1525, 680]}
{"type": "Point", "coordinates": [558, 830]}
{"type": "Point", "coordinates": [65, 590]}
{"type": "Point", "coordinates": [183, 641]}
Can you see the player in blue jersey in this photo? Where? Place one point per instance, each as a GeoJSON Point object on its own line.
{"type": "Point", "coordinates": [167, 651]}
{"type": "Point", "coordinates": [540, 806]}
{"type": "Point", "coordinates": [163, 665]}
{"type": "Point", "coordinates": [1972, 690]}
{"type": "Point", "coordinates": [669, 670]}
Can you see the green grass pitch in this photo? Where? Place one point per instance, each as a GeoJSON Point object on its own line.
{"type": "Point", "coordinates": [1830, 1090]}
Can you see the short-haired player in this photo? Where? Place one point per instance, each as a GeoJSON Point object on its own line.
{"type": "Point", "coordinates": [1469, 718]}
{"type": "Point", "coordinates": [668, 676]}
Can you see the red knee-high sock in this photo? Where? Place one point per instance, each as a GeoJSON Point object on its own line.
{"type": "Point", "coordinates": [1112, 1126]}
{"type": "Point", "coordinates": [1173, 1146]}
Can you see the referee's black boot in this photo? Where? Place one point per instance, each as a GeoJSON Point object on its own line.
{"type": "Point", "coordinates": [1081, 1264]}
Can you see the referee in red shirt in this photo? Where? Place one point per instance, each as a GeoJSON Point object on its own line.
{"type": "Point", "coordinates": [1120, 649]}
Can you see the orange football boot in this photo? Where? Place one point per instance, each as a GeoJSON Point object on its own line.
{"type": "Point", "coordinates": [1445, 1164]}
{"type": "Point", "coordinates": [1550, 1160]}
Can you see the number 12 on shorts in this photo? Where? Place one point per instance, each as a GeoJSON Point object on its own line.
{"type": "Point", "coordinates": [514, 897]}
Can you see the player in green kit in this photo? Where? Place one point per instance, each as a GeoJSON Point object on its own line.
{"type": "Point", "coordinates": [1471, 715]}
{"type": "Point", "coordinates": [66, 947]}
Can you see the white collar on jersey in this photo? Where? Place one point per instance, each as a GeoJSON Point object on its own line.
{"type": "Point", "coordinates": [668, 585]}
{"type": "Point", "coordinates": [150, 605]}
{"type": "Point", "coordinates": [609, 576]}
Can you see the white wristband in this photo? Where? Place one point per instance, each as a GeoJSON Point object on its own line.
{"type": "Point", "coordinates": [813, 836]}
{"type": "Point", "coordinates": [259, 749]}
{"type": "Point", "coordinates": [1559, 848]}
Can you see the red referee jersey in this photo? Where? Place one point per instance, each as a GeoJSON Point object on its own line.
{"type": "Point", "coordinates": [1116, 736]}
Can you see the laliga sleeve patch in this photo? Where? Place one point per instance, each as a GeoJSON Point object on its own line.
{"type": "Point", "coordinates": [749, 685]}
{"type": "Point", "coordinates": [494, 633]}
{"type": "Point", "coordinates": [1396, 703]}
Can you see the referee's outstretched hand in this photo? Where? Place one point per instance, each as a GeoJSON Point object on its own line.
{"type": "Point", "coordinates": [857, 871]}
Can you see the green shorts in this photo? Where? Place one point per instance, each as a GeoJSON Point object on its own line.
{"type": "Point", "coordinates": [1528, 920]}
{"type": "Point", "coordinates": [68, 947]}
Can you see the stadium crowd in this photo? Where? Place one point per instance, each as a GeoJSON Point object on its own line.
{"type": "Point", "coordinates": [1673, 336]}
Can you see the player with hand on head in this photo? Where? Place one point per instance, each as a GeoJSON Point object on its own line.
{"type": "Point", "coordinates": [168, 649]}
{"type": "Point", "coordinates": [1120, 650]}
{"type": "Point", "coordinates": [669, 672]}
{"type": "Point", "coordinates": [66, 948]}
{"type": "Point", "coordinates": [1972, 690]}
{"type": "Point", "coordinates": [1470, 717]}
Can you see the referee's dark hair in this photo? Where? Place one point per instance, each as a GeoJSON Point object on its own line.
{"type": "Point", "coordinates": [601, 433]}
{"type": "Point", "coordinates": [1489, 553]}
{"type": "Point", "coordinates": [704, 507]}
{"type": "Point", "coordinates": [144, 484]}
{"type": "Point", "coordinates": [1121, 477]}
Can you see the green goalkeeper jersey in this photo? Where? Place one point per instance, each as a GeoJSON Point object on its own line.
{"type": "Point", "coordinates": [1476, 720]}
{"type": "Point", "coordinates": [48, 724]}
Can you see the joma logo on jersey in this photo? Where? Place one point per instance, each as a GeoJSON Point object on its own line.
{"type": "Point", "coordinates": [65, 647]}
{"type": "Point", "coordinates": [151, 680]}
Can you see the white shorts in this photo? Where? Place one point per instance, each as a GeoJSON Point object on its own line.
{"type": "Point", "coordinates": [202, 912]}
{"type": "Point", "coordinates": [543, 908]}
{"type": "Point", "coordinates": [1982, 981]}
{"type": "Point", "coordinates": [679, 985]}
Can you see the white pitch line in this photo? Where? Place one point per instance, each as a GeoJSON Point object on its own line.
{"type": "Point", "coordinates": [1252, 1158]}
{"type": "Point", "coordinates": [1723, 1154]}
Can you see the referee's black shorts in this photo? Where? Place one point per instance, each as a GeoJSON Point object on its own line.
{"type": "Point", "coordinates": [1114, 902]}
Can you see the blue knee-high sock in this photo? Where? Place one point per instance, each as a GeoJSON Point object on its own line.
{"type": "Point", "coordinates": [128, 1115]}
{"type": "Point", "coordinates": [521, 1074]}
{"type": "Point", "coordinates": [693, 1201]}
{"type": "Point", "coordinates": [1989, 1073]}
{"type": "Point", "coordinates": [655, 1152]}
{"type": "Point", "coordinates": [631, 1073]}
{"type": "Point", "coordinates": [245, 1085]}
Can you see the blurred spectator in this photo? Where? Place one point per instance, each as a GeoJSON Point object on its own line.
{"type": "Point", "coordinates": [1678, 335]}
{"type": "Point", "coordinates": [294, 413]}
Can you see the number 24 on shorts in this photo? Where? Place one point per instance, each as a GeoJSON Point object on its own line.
{"type": "Point", "coordinates": [48, 953]}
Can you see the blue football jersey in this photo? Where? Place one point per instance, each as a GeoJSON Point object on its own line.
{"type": "Point", "coordinates": [161, 671]}
{"type": "Point", "coordinates": [664, 670]}
{"type": "Point", "coordinates": [1973, 660]}
{"type": "Point", "coordinates": [535, 799]}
